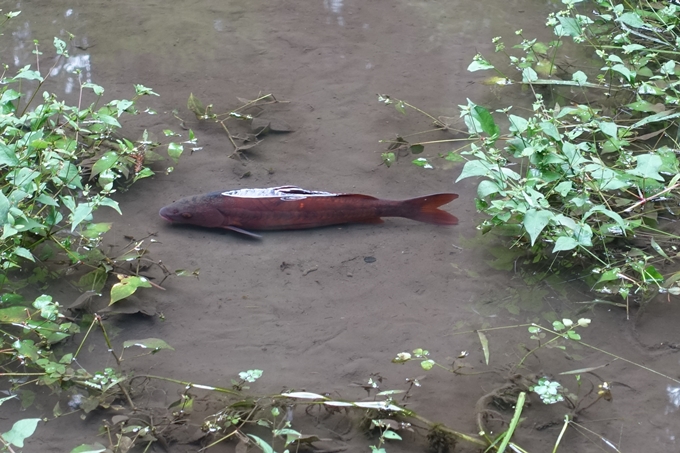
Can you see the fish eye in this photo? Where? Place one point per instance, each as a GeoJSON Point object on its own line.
{"type": "Point", "coordinates": [186, 215]}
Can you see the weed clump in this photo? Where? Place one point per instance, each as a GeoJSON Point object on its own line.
{"type": "Point", "coordinates": [589, 178]}
{"type": "Point", "coordinates": [439, 441]}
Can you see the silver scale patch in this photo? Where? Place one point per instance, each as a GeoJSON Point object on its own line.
{"type": "Point", "coordinates": [283, 192]}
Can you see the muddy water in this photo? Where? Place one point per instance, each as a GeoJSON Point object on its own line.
{"type": "Point", "coordinates": [322, 309]}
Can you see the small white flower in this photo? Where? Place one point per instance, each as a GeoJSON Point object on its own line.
{"type": "Point", "coordinates": [583, 322]}
{"type": "Point", "coordinates": [403, 356]}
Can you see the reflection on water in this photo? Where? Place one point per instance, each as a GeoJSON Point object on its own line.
{"type": "Point", "coordinates": [335, 7]}
{"type": "Point", "coordinates": [673, 398]}
{"type": "Point", "coordinates": [66, 70]}
{"type": "Point", "coordinates": [69, 68]}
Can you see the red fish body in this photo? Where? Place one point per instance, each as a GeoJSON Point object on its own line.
{"type": "Point", "coordinates": [290, 207]}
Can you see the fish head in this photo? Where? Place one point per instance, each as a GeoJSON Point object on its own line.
{"type": "Point", "coordinates": [199, 211]}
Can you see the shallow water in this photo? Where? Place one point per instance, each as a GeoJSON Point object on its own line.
{"type": "Point", "coordinates": [306, 306]}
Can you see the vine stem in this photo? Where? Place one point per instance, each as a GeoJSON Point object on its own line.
{"type": "Point", "coordinates": [457, 434]}
{"type": "Point", "coordinates": [190, 384]}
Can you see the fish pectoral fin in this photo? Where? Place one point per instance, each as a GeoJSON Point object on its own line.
{"type": "Point", "coordinates": [239, 230]}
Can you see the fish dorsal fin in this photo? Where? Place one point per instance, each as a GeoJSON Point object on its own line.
{"type": "Point", "coordinates": [357, 195]}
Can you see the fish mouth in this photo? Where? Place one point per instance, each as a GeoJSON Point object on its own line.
{"type": "Point", "coordinates": [163, 214]}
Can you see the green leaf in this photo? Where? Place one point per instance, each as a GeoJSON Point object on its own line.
{"type": "Point", "coordinates": [187, 273]}
{"type": "Point", "coordinates": [27, 74]}
{"type": "Point", "coordinates": [563, 188]}
{"type": "Point", "coordinates": [127, 287]}
{"type": "Point", "coordinates": [609, 128]}
{"type": "Point", "coordinates": [123, 105]}
{"type": "Point", "coordinates": [26, 348]}
{"type": "Point", "coordinates": [651, 275]}
{"type": "Point", "coordinates": [611, 274]}
{"type": "Point", "coordinates": [141, 90]}
{"type": "Point", "coordinates": [643, 106]}
{"type": "Point", "coordinates": [47, 200]}
{"type": "Point", "coordinates": [628, 48]}
{"type": "Point", "coordinates": [107, 161]}
{"type": "Point", "coordinates": [9, 95]}
{"type": "Point", "coordinates": [264, 446]}
{"type": "Point", "coordinates": [475, 168]}
{"type": "Point", "coordinates": [388, 434]}
{"type": "Point", "coordinates": [195, 106]}
{"type": "Point", "coordinates": [13, 314]}
{"type": "Point", "coordinates": [427, 364]}
{"type": "Point", "coordinates": [94, 448]}
{"type": "Point", "coordinates": [70, 175]}
{"type": "Point", "coordinates": [388, 158]}
{"type": "Point", "coordinates": [668, 67]}
{"type": "Point", "coordinates": [95, 230]}
{"type": "Point", "coordinates": [417, 149]}
{"type": "Point", "coordinates": [6, 398]}
{"type": "Point", "coordinates": [305, 395]}
{"type": "Point", "coordinates": [485, 120]}
{"type": "Point", "coordinates": [611, 214]}
{"type": "Point", "coordinates": [584, 235]}
{"type": "Point", "coordinates": [111, 204]}
{"type": "Point", "coordinates": [518, 125]}
{"type": "Point", "coordinates": [564, 243]}
{"type": "Point", "coordinates": [148, 343]}
{"type": "Point", "coordinates": [4, 208]}
{"type": "Point", "coordinates": [669, 163]}
{"type": "Point", "coordinates": [529, 75]}
{"type": "Point", "coordinates": [82, 212]}
{"type": "Point", "coordinates": [624, 71]}
{"type": "Point", "coordinates": [24, 176]}
{"type": "Point", "coordinates": [94, 280]}
{"type": "Point", "coordinates": [648, 166]}
{"type": "Point", "coordinates": [535, 221]}
{"type": "Point", "coordinates": [422, 162]}
{"type": "Point", "coordinates": [20, 431]}
{"type": "Point", "coordinates": [479, 63]}
{"type": "Point", "coordinates": [174, 151]}
{"type": "Point", "coordinates": [632, 19]}
{"type": "Point", "coordinates": [24, 253]}
{"type": "Point", "coordinates": [550, 130]}
{"type": "Point", "coordinates": [487, 188]}
{"type": "Point", "coordinates": [60, 47]}
{"type": "Point", "coordinates": [658, 249]}
{"type": "Point", "coordinates": [661, 116]}
{"type": "Point", "coordinates": [96, 88]}
{"type": "Point", "coordinates": [453, 156]}
{"type": "Point", "coordinates": [573, 335]}
{"type": "Point", "coordinates": [8, 156]}
{"type": "Point", "coordinates": [485, 345]}
{"type": "Point", "coordinates": [108, 120]}
{"type": "Point", "coordinates": [568, 26]}
{"type": "Point", "coordinates": [145, 173]}
{"type": "Point", "coordinates": [580, 77]}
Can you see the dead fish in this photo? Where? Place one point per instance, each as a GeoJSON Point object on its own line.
{"type": "Point", "coordinates": [290, 207]}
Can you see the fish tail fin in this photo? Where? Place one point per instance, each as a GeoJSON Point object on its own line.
{"type": "Point", "coordinates": [426, 209]}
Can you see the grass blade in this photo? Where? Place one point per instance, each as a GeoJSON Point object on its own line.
{"type": "Point", "coordinates": [514, 422]}
{"type": "Point", "coordinates": [485, 345]}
